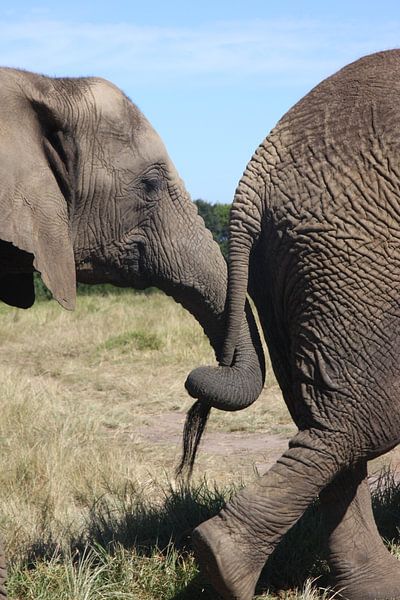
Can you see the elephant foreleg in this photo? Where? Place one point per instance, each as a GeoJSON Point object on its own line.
{"type": "Point", "coordinates": [361, 565]}
{"type": "Point", "coordinates": [233, 546]}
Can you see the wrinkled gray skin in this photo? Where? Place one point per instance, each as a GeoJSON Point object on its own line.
{"type": "Point", "coordinates": [315, 235]}
{"type": "Point", "coordinates": [88, 191]}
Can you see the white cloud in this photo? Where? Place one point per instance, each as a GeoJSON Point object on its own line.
{"type": "Point", "coordinates": [228, 52]}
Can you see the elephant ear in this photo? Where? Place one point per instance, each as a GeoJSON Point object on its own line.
{"type": "Point", "coordinates": [35, 176]}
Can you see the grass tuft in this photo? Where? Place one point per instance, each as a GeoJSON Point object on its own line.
{"type": "Point", "coordinates": [131, 519]}
{"type": "Point", "coordinates": [139, 340]}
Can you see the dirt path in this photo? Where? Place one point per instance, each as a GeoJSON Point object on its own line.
{"type": "Point", "coordinates": [261, 449]}
{"type": "Point", "coordinates": [258, 450]}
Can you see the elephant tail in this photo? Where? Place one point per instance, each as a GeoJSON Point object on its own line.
{"type": "Point", "coordinates": [239, 379]}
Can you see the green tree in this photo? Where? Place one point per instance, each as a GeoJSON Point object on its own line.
{"type": "Point", "coordinates": [216, 218]}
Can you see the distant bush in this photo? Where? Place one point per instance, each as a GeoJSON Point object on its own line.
{"type": "Point", "coordinates": [41, 291]}
{"type": "Point", "coordinates": [84, 289]}
{"type": "Point", "coordinates": [216, 219]}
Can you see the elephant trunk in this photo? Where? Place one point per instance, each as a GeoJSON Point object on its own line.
{"type": "Point", "coordinates": [238, 385]}
{"type": "Point", "coordinates": [233, 385]}
{"type": "Point", "coordinates": [229, 386]}
{"type": "Point", "coordinates": [238, 380]}
{"type": "Point", "coordinates": [226, 388]}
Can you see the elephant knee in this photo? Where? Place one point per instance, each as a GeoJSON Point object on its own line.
{"type": "Point", "coordinates": [319, 451]}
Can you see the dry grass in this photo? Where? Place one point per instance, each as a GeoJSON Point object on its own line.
{"type": "Point", "coordinates": [92, 405]}
{"type": "Point", "coordinates": [75, 388]}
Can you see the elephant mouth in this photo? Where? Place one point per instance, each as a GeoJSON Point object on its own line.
{"type": "Point", "coordinates": [120, 263]}
{"type": "Point", "coordinates": [133, 268]}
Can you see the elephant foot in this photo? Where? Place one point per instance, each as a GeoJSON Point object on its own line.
{"type": "Point", "coordinates": [230, 572]}
{"type": "Point", "coordinates": [374, 580]}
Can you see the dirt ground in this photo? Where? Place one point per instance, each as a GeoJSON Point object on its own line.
{"type": "Point", "coordinates": [242, 451]}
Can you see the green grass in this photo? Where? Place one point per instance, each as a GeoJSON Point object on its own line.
{"type": "Point", "coordinates": [139, 340]}
{"type": "Point", "coordinates": [90, 507]}
{"type": "Point", "coordinates": [137, 546]}
{"type": "Point", "coordinates": [130, 546]}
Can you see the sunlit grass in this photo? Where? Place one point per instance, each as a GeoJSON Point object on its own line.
{"type": "Point", "coordinates": [89, 503]}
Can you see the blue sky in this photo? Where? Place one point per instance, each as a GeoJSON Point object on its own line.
{"type": "Point", "coordinates": [213, 77]}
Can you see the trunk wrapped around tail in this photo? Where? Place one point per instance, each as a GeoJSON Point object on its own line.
{"type": "Point", "coordinates": [239, 379]}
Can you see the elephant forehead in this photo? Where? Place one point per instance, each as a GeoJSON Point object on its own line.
{"type": "Point", "coordinates": [105, 94]}
{"type": "Point", "coordinates": [112, 104]}
{"type": "Point", "coordinates": [150, 147]}
{"type": "Point", "coordinates": [126, 128]}
{"type": "Point", "coordinates": [149, 142]}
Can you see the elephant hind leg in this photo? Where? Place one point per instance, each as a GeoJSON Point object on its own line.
{"type": "Point", "coordinates": [361, 565]}
{"type": "Point", "coordinates": [233, 546]}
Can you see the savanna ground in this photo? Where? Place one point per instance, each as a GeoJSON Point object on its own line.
{"type": "Point", "coordinates": [92, 408]}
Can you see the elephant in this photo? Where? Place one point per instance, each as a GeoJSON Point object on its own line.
{"type": "Point", "coordinates": [314, 239]}
{"type": "Point", "coordinates": [90, 194]}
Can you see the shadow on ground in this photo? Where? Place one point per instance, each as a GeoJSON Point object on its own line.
{"type": "Point", "coordinates": [129, 520]}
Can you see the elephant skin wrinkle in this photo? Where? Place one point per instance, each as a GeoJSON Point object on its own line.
{"type": "Point", "coordinates": [314, 238]}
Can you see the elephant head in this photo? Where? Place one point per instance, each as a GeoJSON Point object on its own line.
{"type": "Point", "coordinates": [89, 192]}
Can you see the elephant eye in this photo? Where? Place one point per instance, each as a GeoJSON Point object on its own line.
{"type": "Point", "coordinates": [151, 182]}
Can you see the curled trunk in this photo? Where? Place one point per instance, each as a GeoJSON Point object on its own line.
{"type": "Point", "coordinates": [238, 380]}
{"type": "Point", "coordinates": [236, 386]}
{"type": "Point", "coordinates": [226, 388]}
